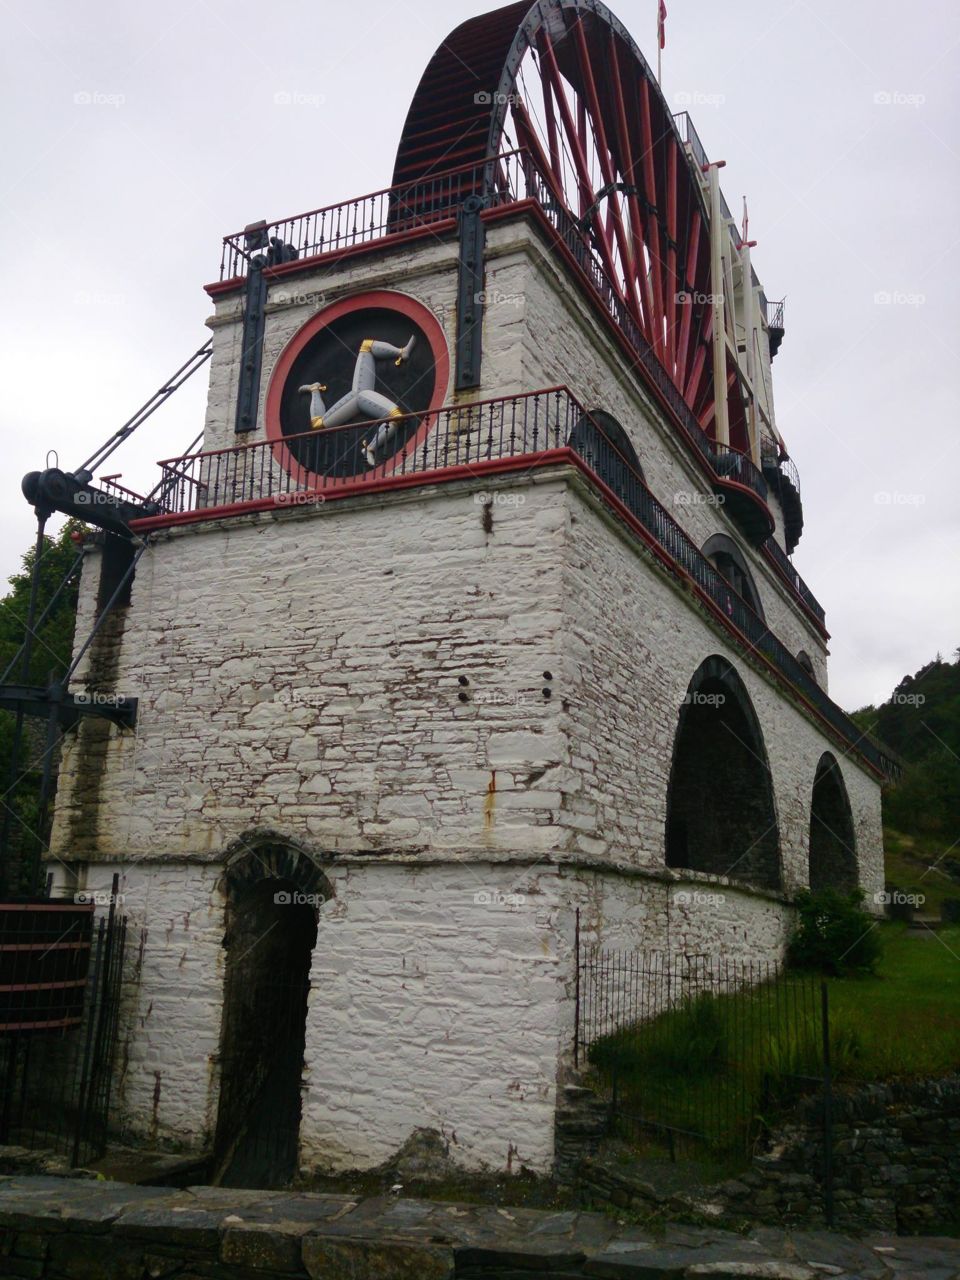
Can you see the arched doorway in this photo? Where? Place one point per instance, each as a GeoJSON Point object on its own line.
{"type": "Point", "coordinates": [728, 560]}
{"type": "Point", "coordinates": [833, 845]}
{"type": "Point", "coordinates": [273, 897]}
{"type": "Point", "coordinates": [721, 816]}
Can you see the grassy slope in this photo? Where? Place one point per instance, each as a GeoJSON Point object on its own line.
{"type": "Point", "coordinates": [906, 1018]}
{"type": "Point", "coordinates": [912, 865]}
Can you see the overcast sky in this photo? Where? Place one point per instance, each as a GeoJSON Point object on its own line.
{"type": "Point", "coordinates": [136, 136]}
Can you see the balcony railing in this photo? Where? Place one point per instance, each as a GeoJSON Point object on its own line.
{"type": "Point", "coordinates": [507, 434]}
{"type": "Point", "coordinates": [782, 561]}
{"type": "Point", "coordinates": [516, 177]}
{"type": "Point", "coordinates": [365, 219]}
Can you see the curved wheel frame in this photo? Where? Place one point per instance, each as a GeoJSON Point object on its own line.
{"type": "Point", "coordinates": [563, 82]}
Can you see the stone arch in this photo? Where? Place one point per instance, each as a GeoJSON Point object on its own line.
{"type": "Point", "coordinates": [608, 451]}
{"type": "Point", "coordinates": [273, 891]}
{"type": "Point", "coordinates": [833, 842]}
{"type": "Point", "coordinates": [807, 663]}
{"type": "Point", "coordinates": [729, 561]}
{"type": "Point", "coordinates": [267, 855]}
{"type": "Point", "coordinates": [721, 814]}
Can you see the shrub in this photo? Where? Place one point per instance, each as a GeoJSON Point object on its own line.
{"type": "Point", "coordinates": [834, 934]}
{"type": "Point", "coordinates": [688, 1040]}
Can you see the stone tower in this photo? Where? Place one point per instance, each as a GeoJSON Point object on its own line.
{"type": "Point", "coordinates": [474, 609]}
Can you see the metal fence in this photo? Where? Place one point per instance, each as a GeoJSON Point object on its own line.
{"type": "Point", "coordinates": [698, 1054]}
{"type": "Point", "coordinates": [60, 973]}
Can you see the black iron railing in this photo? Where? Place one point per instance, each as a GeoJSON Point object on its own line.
{"type": "Point", "coordinates": [489, 435]}
{"type": "Point", "coordinates": [776, 553]}
{"type": "Point", "coordinates": [58, 1033]}
{"type": "Point", "coordinates": [696, 1053]}
{"type": "Point", "coordinates": [515, 177]}
{"type": "Point", "coordinates": [364, 219]}
{"type": "Point", "coordinates": [774, 311]}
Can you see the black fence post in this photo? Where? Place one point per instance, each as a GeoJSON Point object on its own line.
{"type": "Point", "coordinates": [576, 992]}
{"type": "Point", "coordinates": [827, 1106]}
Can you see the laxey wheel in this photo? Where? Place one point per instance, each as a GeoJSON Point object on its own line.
{"type": "Point", "coordinates": [564, 83]}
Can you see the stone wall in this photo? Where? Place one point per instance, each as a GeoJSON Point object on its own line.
{"type": "Point", "coordinates": [895, 1155]}
{"type": "Point", "coordinates": [299, 677]}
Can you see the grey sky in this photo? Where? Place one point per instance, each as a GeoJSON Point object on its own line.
{"type": "Point", "coordinates": [137, 136]}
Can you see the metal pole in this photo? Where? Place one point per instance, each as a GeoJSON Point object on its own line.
{"type": "Point", "coordinates": [827, 1106]}
{"type": "Point", "coordinates": [576, 992]}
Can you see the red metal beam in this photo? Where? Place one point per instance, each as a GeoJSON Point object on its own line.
{"type": "Point", "coordinates": [548, 61]}
{"type": "Point", "coordinates": [686, 319]}
{"type": "Point", "coordinates": [633, 204]}
{"type": "Point", "coordinates": [607, 167]}
{"type": "Point", "coordinates": [653, 228]}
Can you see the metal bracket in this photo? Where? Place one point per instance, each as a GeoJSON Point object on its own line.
{"type": "Point", "coordinates": [470, 294]}
{"type": "Point", "coordinates": [67, 708]}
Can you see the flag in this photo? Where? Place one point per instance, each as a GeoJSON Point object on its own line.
{"type": "Point", "coordinates": [746, 222]}
{"type": "Point", "coordinates": [661, 24]}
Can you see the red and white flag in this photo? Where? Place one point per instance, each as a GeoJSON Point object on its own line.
{"type": "Point", "coordinates": [661, 25]}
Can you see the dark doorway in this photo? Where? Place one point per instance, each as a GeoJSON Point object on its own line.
{"type": "Point", "coordinates": [833, 848]}
{"type": "Point", "coordinates": [271, 933]}
{"type": "Point", "coordinates": [720, 809]}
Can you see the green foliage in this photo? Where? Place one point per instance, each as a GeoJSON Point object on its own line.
{"type": "Point", "coordinates": [921, 722]}
{"type": "Point", "coordinates": [49, 660]}
{"type": "Point", "coordinates": [689, 1040]}
{"type": "Point", "coordinates": [833, 934]}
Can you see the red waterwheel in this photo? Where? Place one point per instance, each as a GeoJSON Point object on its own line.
{"type": "Point", "coordinates": [565, 82]}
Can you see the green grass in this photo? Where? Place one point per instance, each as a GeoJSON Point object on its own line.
{"type": "Point", "coordinates": [726, 1066]}
{"type": "Point", "coordinates": [906, 1018]}
{"type": "Point", "coordinates": [908, 861]}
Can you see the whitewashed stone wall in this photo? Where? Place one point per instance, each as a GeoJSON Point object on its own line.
{"type": "Point", "coordinates": [299, 672]}
{"type": "Point", "coordinates": [536, 333]}
{"type": "Point", "coordinates": [632, 665]}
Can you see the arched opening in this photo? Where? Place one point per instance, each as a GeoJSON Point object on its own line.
{"type": "Point", "coordinates": [727, 558]}
{"type": "Point", "coordinates": [608, 451]}
{"type": "Point", "coordinates": [721, 816]}
{"type": "Point", "coordinates": [833, 845]}
{"type": "Point", "coordinates": [807, 663]}
{"type": "Point", "coordinates": [273, 897]}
